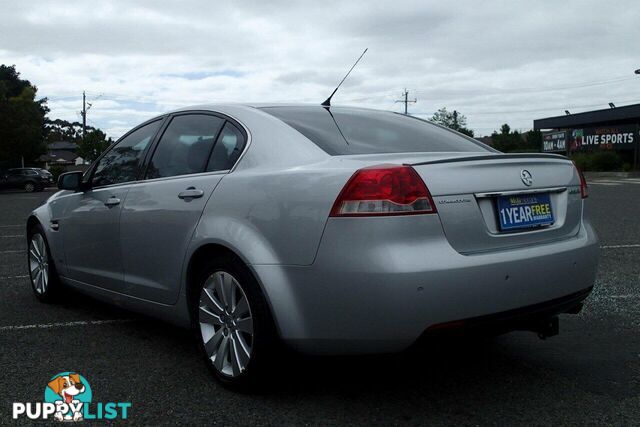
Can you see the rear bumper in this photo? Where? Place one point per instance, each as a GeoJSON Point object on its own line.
{"type": "Point", "coordinates": [529, 318]}
{"type": "Point", "coordinates": [377, 287]}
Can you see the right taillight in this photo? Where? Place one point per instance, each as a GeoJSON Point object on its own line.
{"type": "Point", "coordinates": [384, 190]}
{"type": "Point", "coordinates": [584, 193]}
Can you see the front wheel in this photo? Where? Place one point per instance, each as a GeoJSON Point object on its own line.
{"type": "Point", "coordinates": [29, 187]}
{"type": "Point", "coordinates": [236, 330]}
{"type": "Point", "coordinates": [42, 271]}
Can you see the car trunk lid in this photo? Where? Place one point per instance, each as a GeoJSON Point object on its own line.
{"type": "Point", "coordinates": [466, 191]}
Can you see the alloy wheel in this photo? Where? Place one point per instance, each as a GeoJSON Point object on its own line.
{"type": "Point", "coordinates": [39, 264]}
{"type": "Point", "coordinates": [226, 324]}
{"type": "Point", "coordinates": [29, 187]}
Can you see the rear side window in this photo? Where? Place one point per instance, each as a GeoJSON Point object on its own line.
{"type": "Point", "coordinates": [341, 131]}
{"type": "Point", "coordinates": [227, 149]}
{"type": "Point", "coordinates": [185, 146]}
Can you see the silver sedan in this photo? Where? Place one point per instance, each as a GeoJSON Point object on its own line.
{"type": "Point", "coordinates": [332, 230]}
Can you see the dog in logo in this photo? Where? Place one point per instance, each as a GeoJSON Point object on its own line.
{"type": "Point", "coordinates": [68, 387]}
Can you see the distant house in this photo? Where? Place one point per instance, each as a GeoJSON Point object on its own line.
{"type": "Point", "coordinates": [61, 153]}
{"type": "Point", "coordinates": [486, 140]}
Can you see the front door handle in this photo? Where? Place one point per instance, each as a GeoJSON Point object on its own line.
{"type": "Point", "coordinates": [191, 193]}
{"type": "Point", "coordinates": [112, 201]}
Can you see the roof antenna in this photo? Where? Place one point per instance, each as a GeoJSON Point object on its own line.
{"type": "Point", "coordinates": [327, 103]}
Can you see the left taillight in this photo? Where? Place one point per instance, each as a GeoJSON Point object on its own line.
{"type": "Point", "coordinates": [584, 191]}
{"type": "Point", "coordinates": [384, 190]}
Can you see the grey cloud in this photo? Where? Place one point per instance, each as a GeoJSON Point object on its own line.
{"type": "Point", "coordinates": [469, 55]}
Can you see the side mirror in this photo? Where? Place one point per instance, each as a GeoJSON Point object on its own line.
{"type": "Point", "coordinates": [70, 181]}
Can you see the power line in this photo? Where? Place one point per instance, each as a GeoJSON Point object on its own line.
{"type": "Point", "coordinates": [536, 110]}
{"type": "Point", "coordinates": [540, 90]}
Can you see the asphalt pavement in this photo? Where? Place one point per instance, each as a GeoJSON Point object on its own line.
{"type": "Point", "coordinates": [589, 374]}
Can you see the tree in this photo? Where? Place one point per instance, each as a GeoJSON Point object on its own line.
{"type": "Point", "coordinates": [62, 130]}
{"type": "Point", "coordinates": [534, 139]}
{"type": "Point", "coordinates": [508, 141]}
{"type": "Point", "coordinates": [452, 120]}
{"type": "Point", "coordinates": [93, 145]}
{"type": "Point", "coordinates": [22, 124]}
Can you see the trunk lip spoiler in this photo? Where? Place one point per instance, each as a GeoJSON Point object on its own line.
{"type": "Point", "coordinates": [493, 157]}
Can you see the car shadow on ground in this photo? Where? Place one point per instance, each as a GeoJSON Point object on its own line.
{"type": "Point", "coordinates": [438, 361]}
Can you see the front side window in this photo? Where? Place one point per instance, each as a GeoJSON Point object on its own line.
{"type": "Point", "coordinates": [185, 146]}
{"type": "Point", "coordinates": [121, 163]}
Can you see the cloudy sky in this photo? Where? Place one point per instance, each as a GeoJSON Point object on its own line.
{"type": "Point", "coordinates": [494, 61]}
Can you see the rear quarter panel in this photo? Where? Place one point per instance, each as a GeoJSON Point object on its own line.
{"type": "Point", "coordinates": [271, 217]}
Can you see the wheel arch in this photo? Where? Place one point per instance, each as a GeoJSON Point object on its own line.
{"type": "Point", "coordinates": [200, 259]}
{"type": "Point", "coordinates": [32, 221]}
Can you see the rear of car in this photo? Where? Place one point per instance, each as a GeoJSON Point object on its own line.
{"type": "Point", "coordinates": [44, 178]}
{"type": "Point", "coordinates": [433, 231]}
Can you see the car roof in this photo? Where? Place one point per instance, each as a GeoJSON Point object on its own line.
{"type": "Point", "coordinates": [253, 105]}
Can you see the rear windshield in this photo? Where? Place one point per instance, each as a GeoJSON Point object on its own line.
{"type": "Point", "coordinates": [341, 131]}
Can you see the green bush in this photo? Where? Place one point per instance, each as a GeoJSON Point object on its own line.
{"type": "Point", "coordinates": [56, 171]}
{"type": "Point", "coordinates": [582, 161]}
{"type": "Point", "coordinates": [606, 161]}
{"type": "Point", "coordinates": [599, 161]}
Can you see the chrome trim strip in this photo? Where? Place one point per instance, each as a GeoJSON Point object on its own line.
{"type": "Point", "coordinates": [186, 175]}
{"type": "Point", "coordinates": [514, 192]}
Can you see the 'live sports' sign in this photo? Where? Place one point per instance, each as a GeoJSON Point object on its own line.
{"type": "Point", "coordinates": [623, 137]}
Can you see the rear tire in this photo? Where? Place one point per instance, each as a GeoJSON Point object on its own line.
{"type": "Point", "coordinates": [235, 330]}
{"type": "Point", "coordinates": [45, 282]}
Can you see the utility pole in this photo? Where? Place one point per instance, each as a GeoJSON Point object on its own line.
{"type": "Point", "coordinates": [84, 115]}
{"type": "Point", "coordinates": [406, 100]}
{"type": "Point", "coordinates": [86, 106]}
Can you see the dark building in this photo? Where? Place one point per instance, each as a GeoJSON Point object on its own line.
{"type": "Point", "coordinates": [615, 128]}
{"type": "Point", "coordinates": [61, 153]}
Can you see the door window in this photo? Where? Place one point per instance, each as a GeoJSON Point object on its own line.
{"type": "Point", "coordinates": [121, 163]}
{"type": "Point", "coordinates": [185, 146]}
{"type": "Point", "coordinates": [227, 149]}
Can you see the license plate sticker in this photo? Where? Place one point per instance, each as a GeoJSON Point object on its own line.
{"type": "Point", "coordinates": [524, 211]}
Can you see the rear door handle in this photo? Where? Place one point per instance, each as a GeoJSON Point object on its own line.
{"type": "Point", "coordinates": [112, 201]}
{"type": "Point", "coordinates": [191, 193]}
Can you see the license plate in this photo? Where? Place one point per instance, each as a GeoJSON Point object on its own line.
{"type": "Point", "coordinates": [524, 211]}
